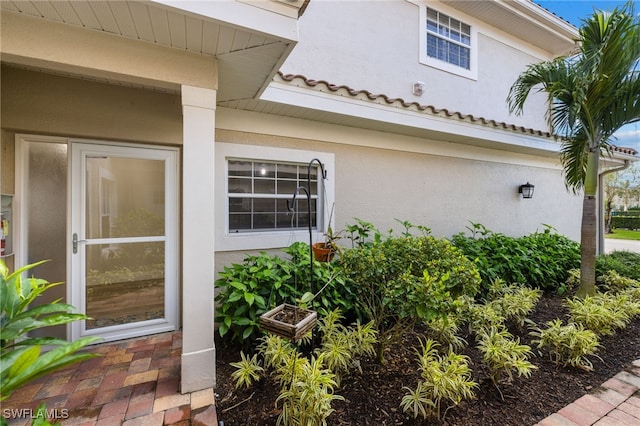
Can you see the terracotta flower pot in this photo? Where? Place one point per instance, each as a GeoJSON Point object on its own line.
{"type": "Point", "coordinates": [323, 252]}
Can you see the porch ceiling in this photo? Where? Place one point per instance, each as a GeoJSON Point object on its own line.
{"type": "Point", "coordinates": [247, 58]}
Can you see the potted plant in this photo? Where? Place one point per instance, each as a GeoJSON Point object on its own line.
{"type": "Point", "coordinates": [323, 251]}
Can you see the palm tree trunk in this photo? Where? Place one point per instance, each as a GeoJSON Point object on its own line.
{"type": "Point", "coordinates": [588, 248]}
{"type": "Point", "coordinates": [589, 228]}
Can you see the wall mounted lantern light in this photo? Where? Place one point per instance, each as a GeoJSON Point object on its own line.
{"type": "Point", "coordinates": [526, 190]}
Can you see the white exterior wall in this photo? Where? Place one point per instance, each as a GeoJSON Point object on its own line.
{"type": "Point", "coordinates": [442, 185]}
{"type": "Point", "coordinates": [347, 43]}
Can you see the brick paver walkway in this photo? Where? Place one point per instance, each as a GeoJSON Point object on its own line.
{"type": "Point", "coordinates": [615, 403]}
{"type": "Point", "coordinates": [134, 382]}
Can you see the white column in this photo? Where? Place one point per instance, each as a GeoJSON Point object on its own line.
{"type": "Point", "coordinates": [198, 348]}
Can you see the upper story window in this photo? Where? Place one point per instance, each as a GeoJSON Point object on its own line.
{"type": "Point", "coordinates": [448, 39]}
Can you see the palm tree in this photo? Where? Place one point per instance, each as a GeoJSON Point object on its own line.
{"type": "Point", "coordinates": [591, 93]}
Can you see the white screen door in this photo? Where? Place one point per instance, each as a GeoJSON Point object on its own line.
{"type": "Point", "coordinates": [124, 240]}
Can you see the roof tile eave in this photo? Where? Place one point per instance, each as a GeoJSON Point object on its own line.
{"type": "Point", "coordinates": [429, 109]}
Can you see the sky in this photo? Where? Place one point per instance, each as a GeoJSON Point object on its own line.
{"type": "Point", "coordinates": [576, 10]}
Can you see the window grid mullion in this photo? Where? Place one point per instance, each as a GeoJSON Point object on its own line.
{"type": "Point", "coordinates": [272, 214]}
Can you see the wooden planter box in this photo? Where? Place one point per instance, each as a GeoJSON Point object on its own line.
{"type": "Point", "coordinates": [288, 321]}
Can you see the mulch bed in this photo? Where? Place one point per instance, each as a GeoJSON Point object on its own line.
{"type": "Point", "coordinates": [373, 398]}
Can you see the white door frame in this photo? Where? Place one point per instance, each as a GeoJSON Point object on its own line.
{"type": "Point", "coordinates": [78, 152]}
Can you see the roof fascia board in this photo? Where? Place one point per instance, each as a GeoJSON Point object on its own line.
{"type": "Point", "coordinates": [305, 98]}
{"type": "Point", "coordinates": [241, 15]}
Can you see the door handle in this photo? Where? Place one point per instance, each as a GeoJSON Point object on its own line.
{"type": "Point", "coordinates": [75, 242]}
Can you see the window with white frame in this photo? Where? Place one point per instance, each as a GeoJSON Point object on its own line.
{"type": "Point", "coordinates": [448, 39]}
{"type": "Point", "coordinates": [258, 210]}
{"type": "Point", "coordinates": [261, 195]}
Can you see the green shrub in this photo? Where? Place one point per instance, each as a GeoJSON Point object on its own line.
{"type": "Point", "coordinates": [539, 260]}
{"type": "Point", "coordinates": [512, 302]}
{"type": "Point", "coordinates": [445, 330]}
{"type": "Point", "coordinates": [308, 383]}
{"type": "Point", "coordinates": [504, 354]}
{"type": "Point", "coordinates": [625, 222]}
{"type": "Point", "coordinates": [21, 360]}
{"type": "Point", "coordinates": [445, 378]}
{"type": "Point", "coordinates": [483, 316]}
{"type": "Point", "coordinates": [567, 344]}
{"type": "Point", "coordinates": [262, 282]}
{"type": "Point", "coordinates": [401, 280]}
{"type": "Point", "coordinates": [625, 263]}
{"type": "Point", "coordinates": [616, 283]}
{"type": "Point", "coordinates": [602, 313]}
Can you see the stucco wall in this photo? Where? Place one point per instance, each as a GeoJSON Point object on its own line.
{"type": "Point", "coordinates": [442, 192]}
{"type": "Point", "coordinates": [34, 102]}
{"type": "Point", "coordinates": [347, 42]}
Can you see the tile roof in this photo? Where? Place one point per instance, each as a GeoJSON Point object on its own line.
{"type": "Point", "coordinates": [324, 85]}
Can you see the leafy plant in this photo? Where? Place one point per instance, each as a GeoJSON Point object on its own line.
{"type": "Point", "coordinates": [626, 263]}
{"type": "Point", "coordinates": [567, 344]}
{"type": "Point", "coordinates": [360, 233]}
{"type": "Point", "coordinates": [401, 280]}
{"type": "Point", "coordinates": [445, 378]}
{"type": "Point", "coordinates": [21, 357]}
{"type": "Point", "coordinates": [306, 400]}
{"type": "Point", "coordinates": [446, 330]}
{"type": "Point", "coordinates": [504, 355]}
{"type": "Point", "coordinates": [513, 302]}
{"type": "Point", "coordinates": [616, 283]}
{"type": "Point", "coordinates": [483, 317]}
{"type": "Point", "coordinates": [342, 346]}
{"type": "Point", "coordinates": [539, 260]}
{"type": "Point", "coordinates": [248, 371]}
{"type": "Point", "coordinates": [261, 282]}
{"type": "Point", "coordinates": [308, 383]}
{"type": "Point", "coordinates": [602, 313]}
{"type": "Point", "coordinates": [572, 282]}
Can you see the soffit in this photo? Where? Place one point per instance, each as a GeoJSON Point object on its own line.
{"type": "Point", "coordinates": [246, 58]}
{"type": "Point", "coordinates": [523, 19]}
